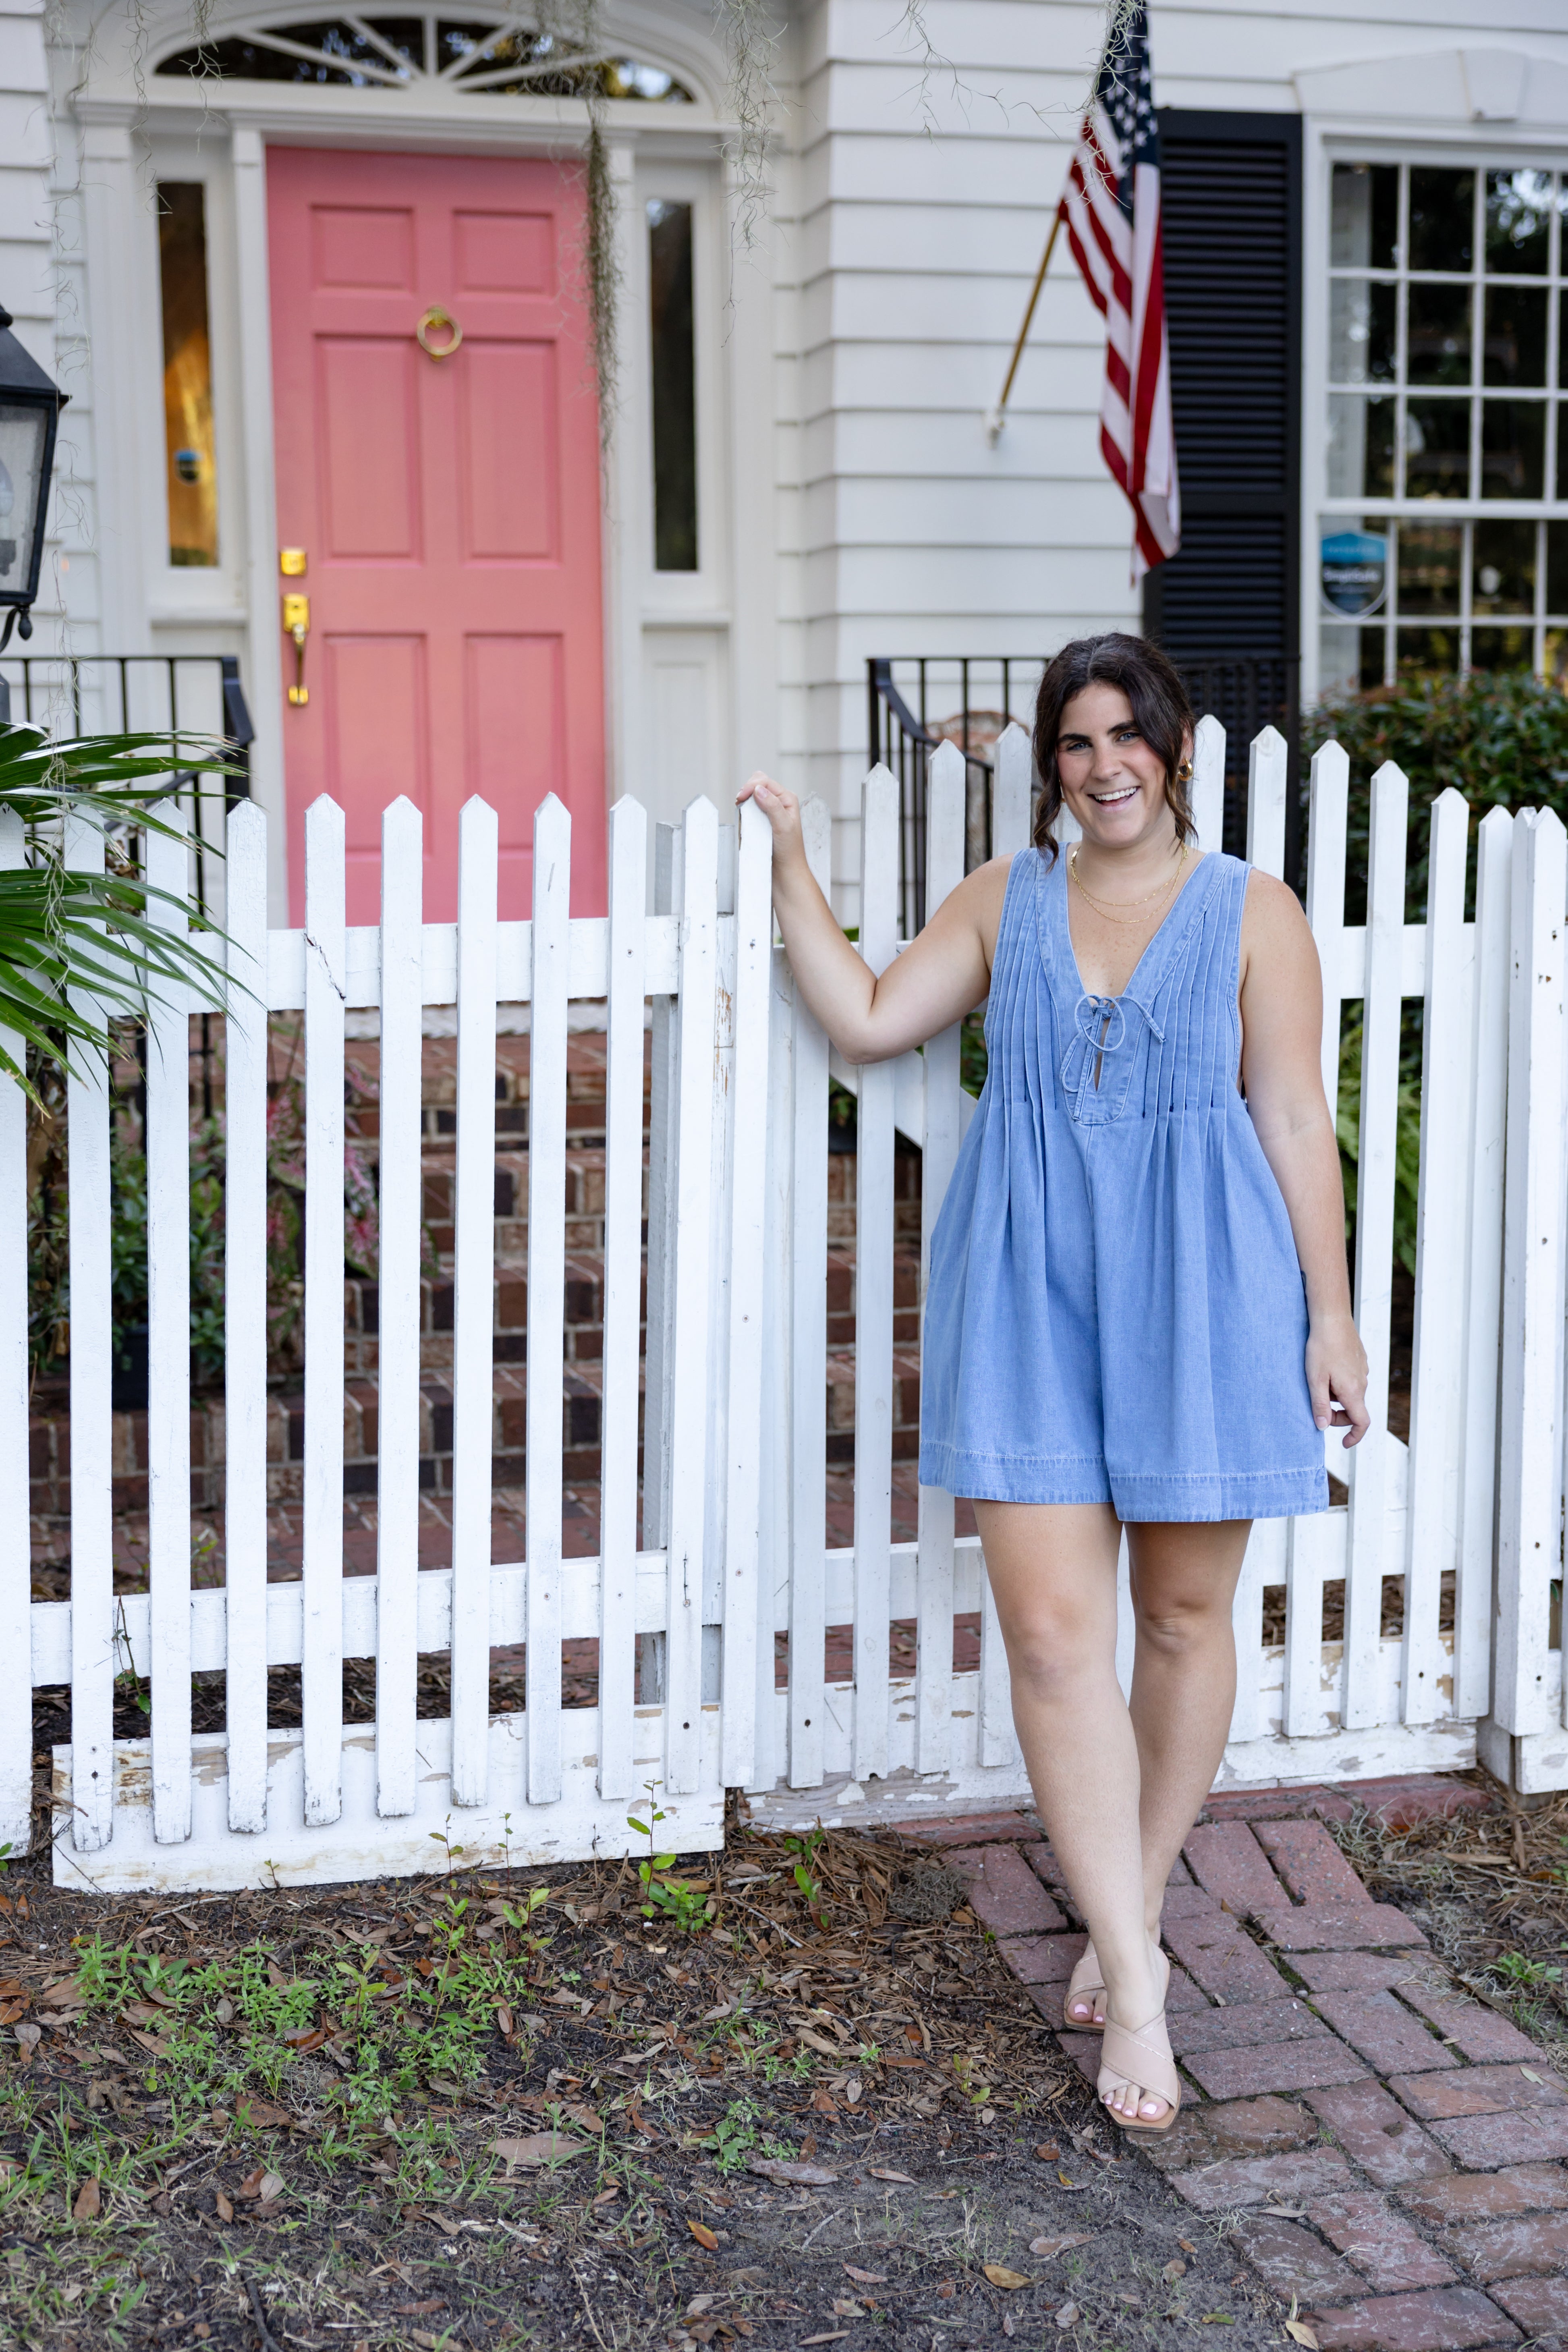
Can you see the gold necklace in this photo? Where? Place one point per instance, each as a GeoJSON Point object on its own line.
{"type": "Point", "coordinates": [1113, 913]}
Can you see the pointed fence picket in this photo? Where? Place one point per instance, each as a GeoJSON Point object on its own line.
{"type": "Point", "coordinates": [168, 1090]}
{"type": "Point", "coordinates": [732, 1547]}
{"type": "Point", "coordinates": [93, 1631]}
{"type": "Point", "coordinates": [244, 1322]}
{"type": "Point", "coordinates": [397, 1312]}
{"type": "Point", "coordinates": [15, 1534]}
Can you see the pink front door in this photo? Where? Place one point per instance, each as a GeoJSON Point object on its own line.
{"type": "Point", "coordinates": [447, 507]}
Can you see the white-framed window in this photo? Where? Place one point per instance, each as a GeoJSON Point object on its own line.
{"type": "Point", "coordinates": [677, 315]}
{"type": "Point", "coordinates": [1443, 518]}
{"type": "Point", "coordinates": [189, 501]}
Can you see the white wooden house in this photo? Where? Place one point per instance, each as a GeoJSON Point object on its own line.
{"type": "Point", "coordinates": [226, 272]}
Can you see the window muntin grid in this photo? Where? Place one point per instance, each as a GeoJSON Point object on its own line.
{"type": "Point", "coordinates": [1447, 419]}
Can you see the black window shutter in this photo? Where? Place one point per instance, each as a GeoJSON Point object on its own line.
{"type": "Point", "coordinates": [1231, 191]}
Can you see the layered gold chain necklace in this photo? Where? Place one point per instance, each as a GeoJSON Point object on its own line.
{"type": "Point", "coordinates": [1117, 912]}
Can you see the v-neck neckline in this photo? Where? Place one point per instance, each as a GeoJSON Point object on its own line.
{"type": "Point", "coordinates": [1205, 858]}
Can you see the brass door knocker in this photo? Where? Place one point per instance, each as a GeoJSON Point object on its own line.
{"type": "Point", "coordinates": [443, 319]}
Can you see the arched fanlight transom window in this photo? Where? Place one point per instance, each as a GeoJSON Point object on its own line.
{"type": "Point", "coordinates": [501, 59]}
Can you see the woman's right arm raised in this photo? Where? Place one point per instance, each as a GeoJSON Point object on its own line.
{"type": "Point", "coordinates": [942, 975]}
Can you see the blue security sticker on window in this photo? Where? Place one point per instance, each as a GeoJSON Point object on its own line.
{"type": "Point", "coordinates": [1354, 571]}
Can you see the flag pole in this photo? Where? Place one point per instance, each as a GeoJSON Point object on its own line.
{"type": "Point", "coordinates": [997, 417]}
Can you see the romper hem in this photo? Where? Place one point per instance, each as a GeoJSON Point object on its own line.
{"type": "Point", "coordinates": [1193, 1498]}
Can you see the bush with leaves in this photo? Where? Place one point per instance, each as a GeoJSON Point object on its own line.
{"type": "Point", "coordinates": [1500, 741]}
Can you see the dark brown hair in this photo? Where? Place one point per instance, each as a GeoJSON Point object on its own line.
{"type": "Point", "coordinates": [1161, 712]}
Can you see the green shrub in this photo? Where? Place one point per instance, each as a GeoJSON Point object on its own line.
{"type": "Point", "coordinates": [1502, 741]}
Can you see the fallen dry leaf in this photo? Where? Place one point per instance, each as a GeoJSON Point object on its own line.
{"type": "Point", "coordinates": [225, 2210]}
{"type": "Point", "coordinates": [1063, 2182]}
{"type": "Point", "coordinates": [1067, 2316]}
{"type": "Point", "coordinates": [703, 2234]}
{"type": "Point", "coordinates": [1000, 2275]}
{"type": "Point", "coordinates": [1300, 2333]}
{"type": "Point", "coordinates": [1048, 2151]}
{"type": "Point", "coordinates": [272, 2184]}
{"type": "Point", "coordinates": [27, 2039]}
{"type": "Point", "coordinates": [1047, 2247]}
{"type": "Point", "coordinates": [251, 2185]}
{"type": "Point", "coordinates": [1530, 2075]}
{"type": "Point", "coordinates": [89, 2202]}
{"type": "Point", "coordinates": [843, 2308]}
{"type": "Point", "coordinates": [805, 2176]}
{"type": "Point", "coordinates": [1174, 2269]}
{"type": "Point", "coordinates": [539, 2147]}
{"type": "Point", "coordinates": [833, 2335]}
{"type": "Point", "coordinates": [885, 2172]}
{"type": "Point", "coordinates": [865, 2278]}
{"type": "Point", "coordinates": [259, 2116]}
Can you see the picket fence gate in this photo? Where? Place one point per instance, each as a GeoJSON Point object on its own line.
{"type": "Point", "coordinates": [733, 1546]}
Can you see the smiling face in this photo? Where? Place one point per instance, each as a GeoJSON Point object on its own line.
{"type": "Point", "coordinates": [1114, 781]}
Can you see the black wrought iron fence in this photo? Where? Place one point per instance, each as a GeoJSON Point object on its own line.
{"type": "Point", "coordinates": [195, 694]}
{"type": "Point", "coordinates": [914, 705]}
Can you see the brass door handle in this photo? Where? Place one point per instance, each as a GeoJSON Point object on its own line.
{"type": "Point", "coordinates": [444, 320]}
{"type": "Point", "coordinates": [296, 621]}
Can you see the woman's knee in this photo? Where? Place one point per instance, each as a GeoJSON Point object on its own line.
{"type": "Point", "coordinates": [1051, 1652]}
{"type": "Point", "coordinates": [1176, 1623]}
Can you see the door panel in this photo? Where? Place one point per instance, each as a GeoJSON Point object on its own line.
{"type": "Point", "coordinates": [448, 507]}
{"type": "Point", "coordinates": [511, 453]}
{"type": "Point", "coordinates": [367, 410]}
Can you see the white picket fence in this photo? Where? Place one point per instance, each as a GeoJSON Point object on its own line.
{"type": "Point", "coordinates": [734, 1507]}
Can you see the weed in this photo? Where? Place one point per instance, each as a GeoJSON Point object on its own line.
{"type": "Point", "coordinates": [805, 1850]}
{"type": "Point", "coordinates": [736, 2135]}
{"type": "Point", "coordinates": [1517, 1970]}
{"type": "Point", "coordinates": [685, 1906]}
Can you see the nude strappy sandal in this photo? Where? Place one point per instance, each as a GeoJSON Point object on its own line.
{"type": "Point", "coordinates": [1129, 2056]}
{"type": "Point", "coordinates": [1087, 1982]}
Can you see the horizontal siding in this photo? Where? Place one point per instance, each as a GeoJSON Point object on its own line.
{"type": "Point", "coordinates": [913, 258]}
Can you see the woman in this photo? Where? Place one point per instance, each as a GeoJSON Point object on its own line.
{"type": "Point", "coordinates": [1138, 1313]}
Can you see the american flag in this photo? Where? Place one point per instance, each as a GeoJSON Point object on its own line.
{"type": "Point", "coordinates": [1110, 209]}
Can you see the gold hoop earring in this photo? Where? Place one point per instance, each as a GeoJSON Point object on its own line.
{"type": "Point", "coordinates": [1184, 772]}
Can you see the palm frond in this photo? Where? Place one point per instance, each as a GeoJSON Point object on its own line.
{"type": "Point", "coordinates": [80, 950]}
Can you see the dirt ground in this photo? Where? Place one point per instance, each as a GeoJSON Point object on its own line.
{"type": "Point", "coordinates": [286, 2119]}
{"type": "Point", "coordinates": [507, 2110]}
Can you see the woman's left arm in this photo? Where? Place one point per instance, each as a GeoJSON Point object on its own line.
{"type": "Point", "coordinates": [1281, 1030]}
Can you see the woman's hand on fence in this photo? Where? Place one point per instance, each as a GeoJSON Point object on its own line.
{"type": "Point", "coordinates": [937, 979]}
{"type": "Point", "coordinates": [1336, 1377]}
{"type": "Point", "coordinates": [782, 810]}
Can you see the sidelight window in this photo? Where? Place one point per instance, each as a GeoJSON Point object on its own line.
{"type": "Point", "coordinates": [674, 380]}
{"type": "Point", "coordinates": [191, 469]}
{"type": "Point", "coordinates": [1444, 530]}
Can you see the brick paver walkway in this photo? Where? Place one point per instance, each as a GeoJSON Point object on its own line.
{"type": "Point", "coordinates": [1379, 2145]}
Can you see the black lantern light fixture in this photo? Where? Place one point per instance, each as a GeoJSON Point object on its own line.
{"type": "Point", "coordinates": [29, 413]}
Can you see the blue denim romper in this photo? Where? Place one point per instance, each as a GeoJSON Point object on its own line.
{"type": "Point", "coordinates": [1116, 1310]}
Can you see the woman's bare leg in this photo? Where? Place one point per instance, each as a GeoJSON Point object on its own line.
{"type": "Point", "coordinates": [1183, 1679]}
{"type": "Point", "coordinates": [1053, 1573]}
